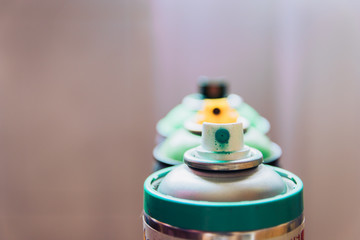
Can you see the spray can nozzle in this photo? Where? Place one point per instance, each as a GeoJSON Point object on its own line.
{"type": "Point", "coordinates": [222, 149]}
{"type": "Point", "coordinates": [212, 87]}
{"type": "Point", "coordinates": [214, 111]}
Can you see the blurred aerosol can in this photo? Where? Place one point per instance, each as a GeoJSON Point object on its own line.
{"type": "Point", "coordinates": [171, 151]}
{"type": "Point", "coordinates": [208, 88]}
{"type": "Point", "coordinates": [223, 191]}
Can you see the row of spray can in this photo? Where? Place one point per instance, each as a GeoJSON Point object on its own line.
{"type": "Point", "coordinates": [180, 130]}
{"type": "Point", "coordinates": [214, 178]}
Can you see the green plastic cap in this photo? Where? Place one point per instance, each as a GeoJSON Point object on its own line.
{"type": "Point", "coordinates": [224, 216]}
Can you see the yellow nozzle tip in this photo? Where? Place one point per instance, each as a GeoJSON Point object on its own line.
{"type": "Point", "coordinates": [217, 111]}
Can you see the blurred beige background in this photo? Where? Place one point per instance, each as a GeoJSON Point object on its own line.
{"type": "Point", "coordinates": [82, 84]}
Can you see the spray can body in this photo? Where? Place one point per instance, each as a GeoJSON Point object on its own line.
{"type": "Point", "coordinates": [276, 218]}
{"type": "Point", "coordinates": [223, 191]}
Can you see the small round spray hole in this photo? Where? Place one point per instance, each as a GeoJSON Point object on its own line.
{"type": "Point", "coordinates": [216, 111]}
{"type": "Point", "coordinates": [222, 135]}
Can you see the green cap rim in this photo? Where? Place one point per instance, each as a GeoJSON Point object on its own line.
{"type": "Point", "coordinates": [223, 216]}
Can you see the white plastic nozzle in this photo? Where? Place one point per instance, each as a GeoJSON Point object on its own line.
{"type": "Point", "coordinates": [222, 137]}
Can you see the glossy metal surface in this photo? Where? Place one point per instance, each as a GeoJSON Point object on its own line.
{"type": "Point", "coordinates": [192, 159]}
{"type": "Point", "coordinates": [296, 226]}
{"type": "Point", "coordinates": [245, 185]}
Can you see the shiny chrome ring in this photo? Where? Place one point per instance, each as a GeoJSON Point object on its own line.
{"type": "Point", "coordinates": [200, 235]}
{"type": "Point", "coordinates": [192, 161]}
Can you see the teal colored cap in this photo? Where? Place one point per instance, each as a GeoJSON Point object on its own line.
{"type": "Point", "coordinates": [223, 216]}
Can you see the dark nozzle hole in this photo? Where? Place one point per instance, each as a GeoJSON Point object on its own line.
{"type": "Point", "coordinates": [216, 111]}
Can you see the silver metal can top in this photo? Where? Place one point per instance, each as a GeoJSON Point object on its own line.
{"type": "Point", "coordinates": [222, 169]}
{"type": "Point", "coordinates": [245, 185]}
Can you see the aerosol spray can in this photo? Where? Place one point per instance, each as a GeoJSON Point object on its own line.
{"type": "Point", "coordinates": [208, 88]}
{"type": "Point", "coordinates": [171, 150]}
{"type": "Point", "coordinates": [223, 191]}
